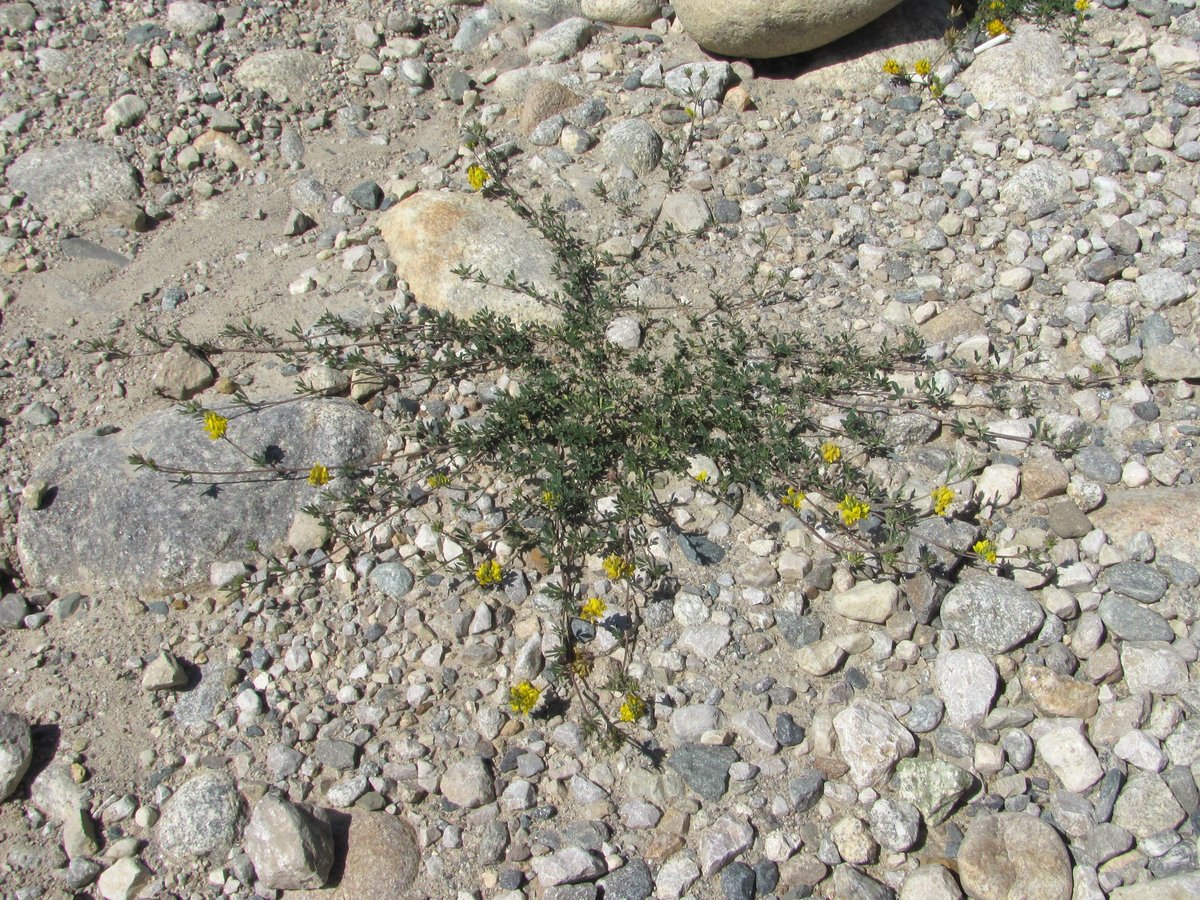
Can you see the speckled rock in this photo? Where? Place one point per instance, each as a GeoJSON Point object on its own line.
{"type": "Point", "coordinates": [1014, 854]}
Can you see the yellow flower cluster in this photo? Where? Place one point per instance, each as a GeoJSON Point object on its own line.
{"type": "Point", "coordinates": [922, 67]}
{"type": "Point", "coordinates": [632, 709]}
{"type": "Point", "coordinates": [853, 510]}
{"type": "Point", "coordinates": [702, 477]}
{"type": "Point", "coordinates": [215, 424]}
{"type": "Point", "coordinates": [489, 573]}
{"type": "Point", "coordinates": [831, 452]}
{"type": "Point", "coordinates": [942, 497]}
{"type": "Point", "coordinates": [437, 480]}
{"type": "Point", "coordinates": [1083, 5]}
{"type": "Point", "coordinates": [318, 475]}
{"type": "Point", "coordinates": [986, 551]}
{"type": "Point", "coordinates": [550, 499]}
{"type": "Point", "coordinates": [995, 28]}
{"type": "Point", "coordinates": [792, 498]}
{"type": "Point", "coordinates": [893, 67]}
{"type": "Point", "coordinates": [593, 609]}
{"type": "Point", "coordinates": [478, 177]}
{"type": "Point", "coordinates": [617, 568]}
{"type": "Point", "coordinates": [523, 697]}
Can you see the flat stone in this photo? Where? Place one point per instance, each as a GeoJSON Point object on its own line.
{"type": "Point", "coordinates": [871, 741]}
{"type": "Point", "coordinates": [1174, 887]}
{"type": "Point", "coordinates": [1153, 668]}
{"type": "Point", "coordinates": [542, 13]}
{"type": "Point", "coordinates": [570, 865]}
{"type": "Point", "coordinates": [930, 882]}
{"type": "Point", "coordinates": [468, 783]}
{"type": "Point", "coordinates": [1155, 510]}
{"type": "Point", "coordinates": [1137, 580]}
{"type": "Point", "coordinates": [73, 181]}
{"type": "Point", "coordinates": [68, 543]}
{"type": "Point", "coordinates": [705, 769]}
{"type": "Point", "coordinates": [284, 74]}
{"type": "Point", "coordinates": [991, 614]}
{"type": "Point", "coordinates": [1131, 621]}
{"type": "Point", "coordinates": [1014, 854]}
{"type": "Point", "coordinates": [1146, 806]}
{"type": "Point", "coordinates": [394, 579]}
{"type": "Point", "coordinates": [200, 820]}
{"type": "Point", "coordinates": [701, 80]}
{"type": "Point", "coordinates": [190, 19]}
{"type": "Point", "coordinates": [1038, 187]}
{"type": "Point", "coordinates": [429, 234]}
{"type": "Point", "coordinates": [966, 682]}
{"type": "Point", "coordinates": [124, 879]}
{"type": "Point", "coordinates": [1071, 757]}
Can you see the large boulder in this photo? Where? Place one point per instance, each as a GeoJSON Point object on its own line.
{"type": "Point", "coordinates": [74, 181]}
{"type": "Point", "coordinates": [761, 29]}
{"type": "Point", "coordinates": [430, 234]}
{"type": "Point", "coordinates": [107, 524]}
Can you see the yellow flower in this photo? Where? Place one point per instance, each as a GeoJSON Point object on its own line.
{"type": "Point", "coordinates": [1083, 5]}
{"type": "Point", "coordinates": [986, 551]}
{"type": "Point", "coordinates": [489, 573]}
{"type": "Point", "coordinates": [942, 497]}
{"type": "Point", "coordinates": [477, 177]}
{"type": "Point", "coordinates": [318, 475]}
{"type": "Point", "coordinates": [632, 709]}
{"type": "Point", "coordinates": [831, 452]}
{"type": "Point", "coordinates": [617, 568]}
{"type": "Point", "coordinates": [996, 5]}
{"type": "Point", "coordinates": [523, 697]}
{"type": "Point", "coordinates": [437, 480]}
{"type": "Point", "coordinates": [893, 67]}
{"type": "Point", "coordinates": [550, 499]}
{"type": "Point", "coordinates": [792, 498]}
{"type": "Point", "coordinates": [995, 28]}
{"type": "Point", "coordinates": [936, 88]}
{"type": "Point", "coordinates": [593, 609]}
{"type": "Point", "coordinates": [853, 510]}
{"type": "Point", "coordinates": [702, 476]}
{"type": "Point", "coordinates": [214, 424]}
{"type": "Point", "coordinates": [922, 67]}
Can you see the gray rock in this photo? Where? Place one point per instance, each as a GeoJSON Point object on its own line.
{"type": "Point", "coordinates": [13, 610]}
{"type": "Point", "coordinates": [163, 673]}
{"type": "Point", "coordinates": [1155, 510]}
{"type": "Point", "coordinates": [1176, 361]}
{"type": "Point", "coordinates": [124, 879]}
{"type": "Point", "coordinates": [805, 790]}
{"type": "Point", "coordinates": [1146, 806]}
{"type": "Point", "coordinates": [55, 792]}
{"type": "Point", "coordinates": [182, 373]}
{"type": "Point", "coordinates": [570, 865]}
{"type": "Point", "coordinates": [16, 752]}
{"type": "Point", "coordinates": [190, 19]}
{"type": "Point", "coordinates": [852, 884]}
{"type": "Point", "coordinates": [991, 614]}
{"type": "Point", "coordinates": [542, 13]}
{"type": "Point", "coordinates": [1153, 668]}
{"type": "Point", "coordinates": [925, 715]}
{"type": "Point", "coordinates": [699, 80]}
{"type": "Point", "coordinates": [291, 848]}
{"type": "Point", "coordinates": [429, 234]}
{"type": "Point", "coordinates": [17, 17]}
{"type": "Point", "coordinates": [632, 881]}
{"type": "Point", "coordinates": [871, 741]}
{"type": "Point", "coordinates": [761, 29]}
{"type": "Point", "coordinates": [475, 28]}
{"type": "Point", "coordinates": [1070, 756]}
{"type": "Point", "coordinates": [382, 857]}
{"type": "Point", "coordinates": [967, 682]}
{"type": "Point", "coordinates": [1175, 887]}
{"type": "Point", "coordinates": [624, 332]}
{"type": "Point", "coordinates": [722, 842]}
{"type": "Point", "coordinates": [69, 543]}
{"type": "Point", "coordinates": [1014, 854]}
{"type": "Point", "coordinates": [896, 824]}
{"type": "Point", "coordinates": [200, 819]}
{"type": "Point", "coordinates": [1097, 464]}
{"type": "Point", "coordinates": [932, 786]}
{"type": "Point", "coordinates": [1133, 622]}
{"type": "Point", "coordinates": [74, 181]}
{"type": "Point", "coordinates": [284, 74]}
{"type": "Point", "coordinates": [930, 882]}
{"type": "Point", "coordinates": [469, 783]}
{"type": "Point", "coordinates": [125, 111]}
{"type": "Point", "coordinates": [633, 143]}
{"type": "Point", "coordinates": [1162, 288]}
{"type": "Point", "coordinates": [686, 211]}
{"type": "Point", "coordinates": [394, 579]}
{"type": "Point", "coordinates": [703, 768]}
{"type": "Point", "coordinates": [1137, 580]}
{"type": "Point", "coordinates": [562, 40]}
{"type": "Point", "coordinates": [1025, 71]}
{"type": "Point", "coordinates": [622, 12]}
{"type": "Point", "coordinates": [1038, 187]}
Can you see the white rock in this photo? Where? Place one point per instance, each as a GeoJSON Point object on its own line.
{"type": "Point", "coordinates": [723, 842]}
{"type": "Point", "coordinates": [966, 682]}
{"type": "Point", "coordinates": [868, 601]}
{"type": "Point", "coordinates": [871, 741]}
{"type": "Point", "coordinates": [1071, 757]}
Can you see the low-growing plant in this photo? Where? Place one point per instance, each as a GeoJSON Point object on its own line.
{"type": "Point", "coordinates": [593, 446]}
